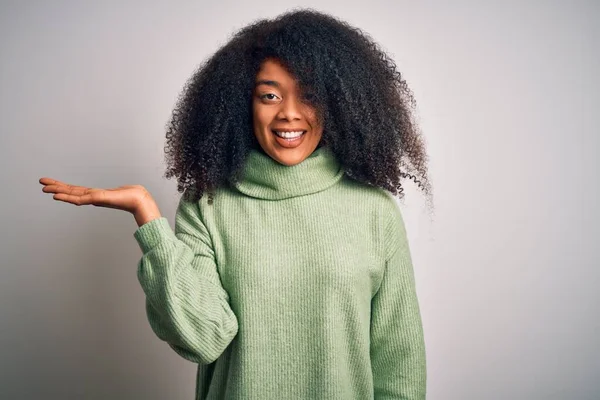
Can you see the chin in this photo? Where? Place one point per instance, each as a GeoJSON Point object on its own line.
{"type": "Point", "coordinates": [289, 158]}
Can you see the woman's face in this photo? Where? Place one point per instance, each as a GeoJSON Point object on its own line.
{"type": "Point", "coordinates": [279, 116]}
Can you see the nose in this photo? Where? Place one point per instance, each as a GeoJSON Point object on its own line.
{"type": "Point", "coordinates": [290, 109]}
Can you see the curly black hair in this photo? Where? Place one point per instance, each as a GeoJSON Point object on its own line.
{"type": "Point", "coordinates": [363, 102]}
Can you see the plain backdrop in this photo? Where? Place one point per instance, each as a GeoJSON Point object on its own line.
{"type": "Point", "coordinates": [507, 270]}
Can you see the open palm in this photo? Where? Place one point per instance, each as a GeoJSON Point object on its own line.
{"type": "Point", "coordinates": [127, 198]}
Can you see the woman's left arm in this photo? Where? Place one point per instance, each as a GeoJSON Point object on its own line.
{"type": "Point", "coordinates": [397, 340]}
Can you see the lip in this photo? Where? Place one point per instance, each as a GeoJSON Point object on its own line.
{"type": "Point", "coordinates": [289, 144]}
{"type": "Point", "coordinates": [289, 130]}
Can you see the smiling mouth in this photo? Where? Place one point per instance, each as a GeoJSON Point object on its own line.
{"type": "Point", "coordinates": [289, 135]}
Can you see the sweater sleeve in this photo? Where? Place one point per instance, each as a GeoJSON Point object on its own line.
{"type": "Point", "coordinates": [186, 305]}
{"type": "Point", "coordinates": [397, 340]}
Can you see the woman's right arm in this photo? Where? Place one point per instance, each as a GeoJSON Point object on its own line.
{"type": "Point", "coordinates": [186, 304]}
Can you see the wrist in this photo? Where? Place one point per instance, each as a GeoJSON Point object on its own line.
{"type": "Point", "coordinates": [146, 213]}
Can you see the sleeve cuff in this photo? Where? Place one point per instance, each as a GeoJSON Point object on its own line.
{"type": "Point", "coordinates": [152, 233]}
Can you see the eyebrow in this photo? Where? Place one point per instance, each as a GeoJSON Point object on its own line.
{"type": "Point", "coordinates": [267, 82]}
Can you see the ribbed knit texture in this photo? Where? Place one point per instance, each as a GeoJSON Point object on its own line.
{"type": "Point", "coordinates": [295, 284]}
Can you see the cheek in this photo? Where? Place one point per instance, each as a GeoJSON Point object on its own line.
{"type": "Point", "coordinates": [311, 117]}
{"type": "Point", "coordinates": [314, 123]}
{"type": "Point", "coordinates": [261, 118]}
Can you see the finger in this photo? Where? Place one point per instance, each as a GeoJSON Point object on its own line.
{"type": "Point", "coordinates": [50, 181]}
{"type": "Point", "coordinates": [75, 190]}
{"type": "Point", "coordinates": [68, 198]}
{"type": "Point", "coordinates": [75, 199]}
{"type": "Point", "coordinates": [67, 189]}
{"type": "Point", "coordinates": [97, 197]}
{"type": "Point", "coordinates": [45, 180]}
{"type": "Point", "coordinates": [63, 186]}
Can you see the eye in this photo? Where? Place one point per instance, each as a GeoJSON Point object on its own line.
{"type": "Point", "coordinates": [269, 96]}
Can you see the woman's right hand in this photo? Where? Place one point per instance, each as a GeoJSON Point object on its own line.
{"type": "Point", "coordinates": [132, 198]}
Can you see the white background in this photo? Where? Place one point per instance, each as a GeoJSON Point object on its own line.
{"type": "Point", "coordinates": [507, 269]}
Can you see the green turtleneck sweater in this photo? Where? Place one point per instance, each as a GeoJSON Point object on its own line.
{"type": "Point", "coordinates": [297, 283]}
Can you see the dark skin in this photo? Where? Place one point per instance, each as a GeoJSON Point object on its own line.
{"type": "Point", "coordinates": [277, 106]}
{"type": "Point", "coordinates": [134, 199]}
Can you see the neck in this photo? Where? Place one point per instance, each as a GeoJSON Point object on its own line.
{"type": "Point", "coordinates": [265, 178]}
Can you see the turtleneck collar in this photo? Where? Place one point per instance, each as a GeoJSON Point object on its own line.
{"type": "Point", "coordinates": [265, 178]}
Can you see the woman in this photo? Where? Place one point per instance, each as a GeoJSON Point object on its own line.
{"type": "Point", "coordinates": [288, 274]}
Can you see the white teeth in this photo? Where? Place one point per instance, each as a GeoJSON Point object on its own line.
{"type": "Point", "coordinates": [289, 135]}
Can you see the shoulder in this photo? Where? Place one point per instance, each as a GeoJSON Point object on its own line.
{"type": "Point", "coordinates": [391, 221]}
{"type": "Point", "coordinates": [381, 201]}
{"type": "Point", "coordinates": [382, 207]}
{"type": "Point", "coordinates": [190, 219]}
